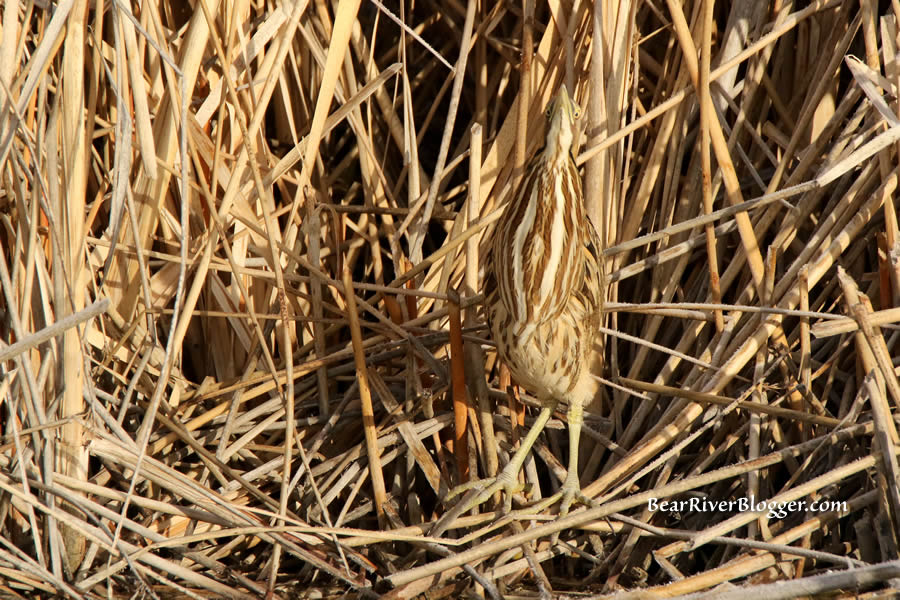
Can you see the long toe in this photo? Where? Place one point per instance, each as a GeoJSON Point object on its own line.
{"type": "Point", "coordinates": [505, 482]}
{"type": "Point", "coordinates": [571, 494]}
{"type": "Point", "coordinates": [568, 498]}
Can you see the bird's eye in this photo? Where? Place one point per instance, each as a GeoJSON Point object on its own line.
{"type": "Point", "coordinates": [576, 112]}
{"type": "Point", "coordinates": [549, 111]}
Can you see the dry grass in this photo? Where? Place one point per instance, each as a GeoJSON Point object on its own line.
{"type": "Point", "coordinates": [243, 354]}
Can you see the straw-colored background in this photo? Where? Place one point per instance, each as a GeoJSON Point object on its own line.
{"type": "Point", "coordinates": [242, 347]}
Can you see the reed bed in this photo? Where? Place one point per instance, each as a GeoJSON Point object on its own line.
{"type": "Point", "coordinates": [243, 353]}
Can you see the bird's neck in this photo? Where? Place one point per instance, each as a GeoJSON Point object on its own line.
{"type": "Point", "coordinates": [558, 145]}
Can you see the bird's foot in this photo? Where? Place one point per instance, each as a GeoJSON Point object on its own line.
{"type": "Point", "coordinates": [570, 493]}
{"type": "Point", "coordinates": [567, 496]}
{"type": "Point", "coordinates": [507, 482]}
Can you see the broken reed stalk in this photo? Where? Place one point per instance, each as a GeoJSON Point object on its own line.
{"type": "Point", "coordinates": [460, 395]}
{"type": "Point", "coordinates": [475, 358]}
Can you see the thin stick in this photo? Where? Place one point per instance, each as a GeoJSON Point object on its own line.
{"type": "Point", "coordinates": [51, 331]}
{"type": "Point", "coordinates": [765, 409]}
{"type": "Point", "coordinates": [365, 396]}
{"type": "Point", "coordinates": [460, 397]}
{"type": "Point", "coordinates": [474, 353]}
{"type": "Point", "coordinates": [459, 76]}
{"type": "Point", "coordinates": [707, 114]}
{"type": "Point", "coordinates": [524, 89]}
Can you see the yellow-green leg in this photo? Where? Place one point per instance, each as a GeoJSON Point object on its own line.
{"type": "Point", "coordinates": [571, 488]}
{"type": "Point", "coordinates": [508, 479]}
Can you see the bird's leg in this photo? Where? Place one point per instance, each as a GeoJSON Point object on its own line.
{"type": "Point", "coordinates": [508, 479]}
{"type": "Point", "coordinates": [571, 488]}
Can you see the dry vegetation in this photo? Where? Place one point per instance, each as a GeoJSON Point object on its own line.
{"type": "Point", "coordinates": [242, 347]}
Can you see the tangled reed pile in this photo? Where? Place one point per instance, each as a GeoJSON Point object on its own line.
{"type": "Point", "coordinates": [243, 353]}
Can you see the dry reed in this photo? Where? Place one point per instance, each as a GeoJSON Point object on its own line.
{"type": "Point", "coordinates": [241, 344]}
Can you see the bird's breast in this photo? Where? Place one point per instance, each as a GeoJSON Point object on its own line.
{"type": "Point", "coordinates": [538, 252]}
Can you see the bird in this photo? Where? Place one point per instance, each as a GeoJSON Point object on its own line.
{"type": "Point", "coordinates": [544, 291]}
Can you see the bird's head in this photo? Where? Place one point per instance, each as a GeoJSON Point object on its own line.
{"type": "Point", "coordinates": [562, 112]}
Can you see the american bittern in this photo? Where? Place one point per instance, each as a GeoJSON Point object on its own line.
{"type": "Point", "coordinates": [544, 291]}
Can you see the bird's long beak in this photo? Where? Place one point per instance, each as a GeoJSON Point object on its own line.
{"type": "Point", "coordinates": [564, 104]}
{"type": "Point", "coordinates": [561, 115]}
